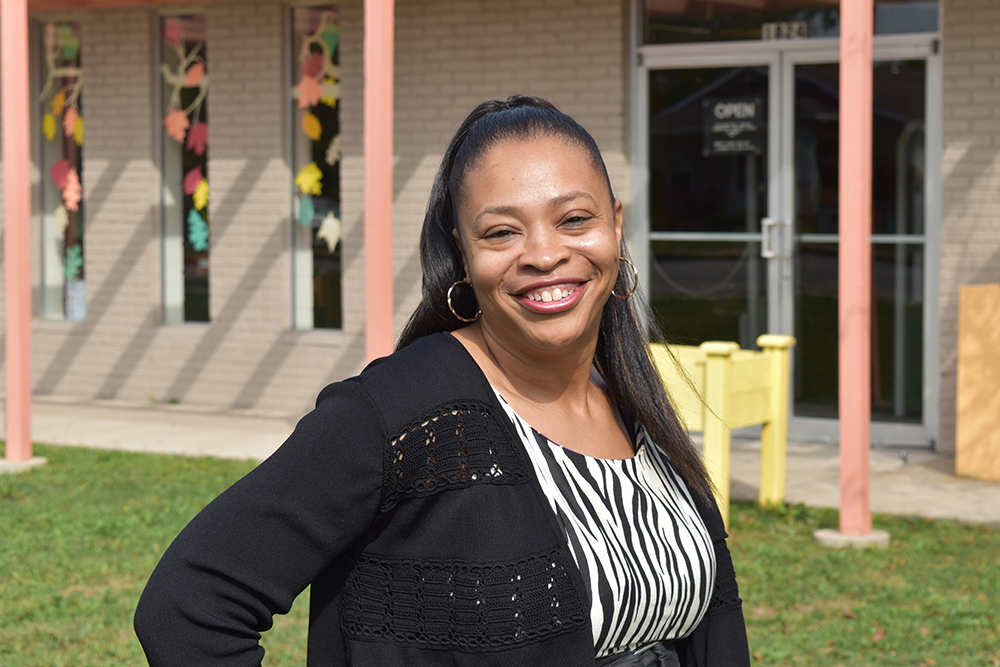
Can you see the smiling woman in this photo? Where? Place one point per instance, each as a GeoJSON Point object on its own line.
{"type": "Point", "coordinates": [435, 522]}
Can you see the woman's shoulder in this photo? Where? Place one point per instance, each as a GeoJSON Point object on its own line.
{"type": "Point", "coordinates": [431, 375]}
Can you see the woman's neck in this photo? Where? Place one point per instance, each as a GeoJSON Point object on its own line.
{"type": "Point", "coordinates": [559, 377]}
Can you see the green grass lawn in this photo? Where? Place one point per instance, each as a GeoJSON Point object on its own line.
{"type": "Point", "coordinates": [79, 536]}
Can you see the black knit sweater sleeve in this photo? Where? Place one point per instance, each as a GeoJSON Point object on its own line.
{"type": "Point", "coordinates": [720, 640]}
{"type": "Point", "coordinates": [248, 554]}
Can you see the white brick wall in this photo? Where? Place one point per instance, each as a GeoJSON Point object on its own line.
{"type": "Point", "coordinates": [450, 55]}
{"type": "Point", "coordinates": [970, 231]}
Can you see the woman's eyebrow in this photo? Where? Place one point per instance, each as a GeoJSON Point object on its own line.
{"type": "Point", "coordinates": [555, 201]}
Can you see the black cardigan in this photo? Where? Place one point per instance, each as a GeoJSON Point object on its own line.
{"type": "Point", "coordinates": [408, 502]}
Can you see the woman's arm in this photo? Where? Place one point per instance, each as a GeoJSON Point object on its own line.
{"type": "Point", "coordinates": [248, 554]}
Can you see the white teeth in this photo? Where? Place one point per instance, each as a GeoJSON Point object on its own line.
{"type": "Point", "coordinates": [547, 297]}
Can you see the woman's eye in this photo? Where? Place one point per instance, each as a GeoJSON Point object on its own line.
{"type": "Point", "coordinates": [499, 234]}
{"type": "Point", "coordinates": [577, 219]}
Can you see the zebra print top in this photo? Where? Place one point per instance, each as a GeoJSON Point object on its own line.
{"type": "Point", "coordinates": [645, 555]}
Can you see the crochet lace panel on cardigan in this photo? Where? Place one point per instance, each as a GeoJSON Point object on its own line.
{"type": "Point", "coordinates": [726, 596]}
{"type": "Point", "coordinates": [456, 446]}
{"type": "Point", "coordinates": [460, 606]}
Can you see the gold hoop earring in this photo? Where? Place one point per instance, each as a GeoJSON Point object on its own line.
{"type": "Point", "coordinates": [452, 308]}
{"type": "Point", "coordinates": [635, 285]}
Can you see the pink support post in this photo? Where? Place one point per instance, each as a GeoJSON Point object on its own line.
{"type": "Point", "coordinates": [379, 50]}
{"type": "Point", "coordinates": [856, 21]}
{"type": "Point", "coordinates": [16, 233]}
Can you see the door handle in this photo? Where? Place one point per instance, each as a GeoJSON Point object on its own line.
{"type": "Point", "coordinates": [767, 226]}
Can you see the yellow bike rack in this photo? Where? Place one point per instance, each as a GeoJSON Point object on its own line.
{"type": "Point", "coordinates": [716, 387]}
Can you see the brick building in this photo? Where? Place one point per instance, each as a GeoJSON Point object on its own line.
{"type": "Point", "coordinates": [217, 258]}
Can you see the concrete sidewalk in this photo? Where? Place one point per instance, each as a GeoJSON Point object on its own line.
{"type": "Point", "coordinates": [922, 483]}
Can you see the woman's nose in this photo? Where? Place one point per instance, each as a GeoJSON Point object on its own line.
{"type": "Point", "coordinates": [543, 250]}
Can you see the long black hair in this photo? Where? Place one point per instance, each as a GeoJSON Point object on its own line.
{"type": "Point", "coordinates": [621, 356]}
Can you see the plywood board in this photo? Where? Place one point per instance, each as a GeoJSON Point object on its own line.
{"type": "Point", "coordinates": [977, 431]}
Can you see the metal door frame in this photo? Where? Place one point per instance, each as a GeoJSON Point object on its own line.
{"type": "Point", "coordinates": [781, 57]}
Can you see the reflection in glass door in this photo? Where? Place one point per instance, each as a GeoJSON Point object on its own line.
{"type": "Point", "coordinates": [897, 239]}
{"type": "Point", "coordinates": [708, 171]}
{"type": "Point", "coordinates": [723, 188]}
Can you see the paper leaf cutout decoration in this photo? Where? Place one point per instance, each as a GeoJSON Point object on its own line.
{"type": "Point", "coordinates": [78, 131]}
{"type": "Point", "coordinates": [173, 31]}
{"type": "Point", "coordinates": [309, 179]}
{"type": "Point", "coordinates": [68, 42]}
{"type": "Point", "coordinates": [72, 193]}
{"type": "Point", "coordinates": [312, 65]}
{"type": "Point", "coordinates": [69, 122]}
{"type": "Point", "coordinates": [59, 102]}
{"type": "Point", "coordinates": [195, 74]}
{"type": "Point", "coordinates": [307, 211]}
{"type": "Point", "coordinates": [62, 218]}
{"type": "Point", "coordinates": [200, 196]}
{"type": "Point", "coordinates": [197, 138]}
{"type": "Point", "coordinates": [331, 35]}
{"type": "Point", "coordinates": [177, 124]}
{"type": "Point", "coordinates": [329, 231]}
{"type": "Point", "coordinates": [59, 172]}
{"type": "Point", "coordinates": [191, 180]}
{"type": "Point", "coordinates": [73, 263]}
{"type": "Point", "coordinates": [310, 92]}
{"type": "Point", "coordinates": [49, 126]}
{"type": "Point", "coordinates": [333, 151]}
{"type": "Point", "coordinates": [311, 126]}
{"type": "Point", "coordinates": [197, 231]}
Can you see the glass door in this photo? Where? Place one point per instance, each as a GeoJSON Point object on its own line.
{"type": "Point", "coordinates": [898, 243]}
{"type": "Point", "coordinates": [742, 151]}
{"type": "Point", "coordinates": [709, 161]}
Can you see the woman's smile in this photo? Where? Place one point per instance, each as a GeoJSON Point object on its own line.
{"type": "Point", "coordinates": [552, 298]}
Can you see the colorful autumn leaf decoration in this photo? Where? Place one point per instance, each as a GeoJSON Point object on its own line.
{"type": "Point", "coordinates": [197, 231]}
{"type": "Point", "coordinates": [177, 124]}
{"type": "Point", "coordinates": [59, 172]}
{"type": "Point", "coordinates": [195, 74]}
{"type": "Point", "coordinates": [312, 65]}
{"type": "Point", "coordinates": [309, 179]}
{"type": "Point", "coordinates": [200, 195]}
{"type": "Point", "coordinates": [68, 42]}
{"type": "Point", "coordinates": [331, 35]}
{"type": "Point", "coordinates": [333, 151]}
{"type": "Point", "coordinates": [307, 211]}
{"type": "Point", "coordinates": [311, 126]}
{"type": "Point", "coordinates": [197, 138]}
{"type": "Point", "coordinates": [62, 218]}
{"type": "Point", "coordinates": [309, 91]}
{"type": "Point", "coordinates": [58, 102]}
{"type": "Point", "coordinates": [72, 193]}
{"type": "Point", "coordinates": [192, 179]}
{"type": "Point", "coordinates": [49, 126]}
{"type": "Point", "coordinates": [173, 31]}
{"type": "Point", "coordinates": [329, 231]}
{"type": "Point", "coordinates": [78, 131]}
{"type": "Point", "coordinates": [73, 263]}
{"type": "Point", "coordinates": [69, 122]}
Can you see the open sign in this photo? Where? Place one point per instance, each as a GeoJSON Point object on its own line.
{"type": "Point", "coordinates": [733, 126]}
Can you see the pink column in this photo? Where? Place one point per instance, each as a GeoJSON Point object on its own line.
{"type": "Point", "coordinates": [856, 25]}
{"type": "Point", "coordinates": [378, 117]}
{"type": "Point", "coordinates": [16, 233]}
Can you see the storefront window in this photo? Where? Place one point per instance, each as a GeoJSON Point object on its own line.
{"type": "Point", "coordinates": [316, 153]}
{"type": "Point", "coordinates": [63, 287]}
{"type": "Point", "coordinates": [686, 21]}
{"type": "Point", "coordinates": [186, 235]}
